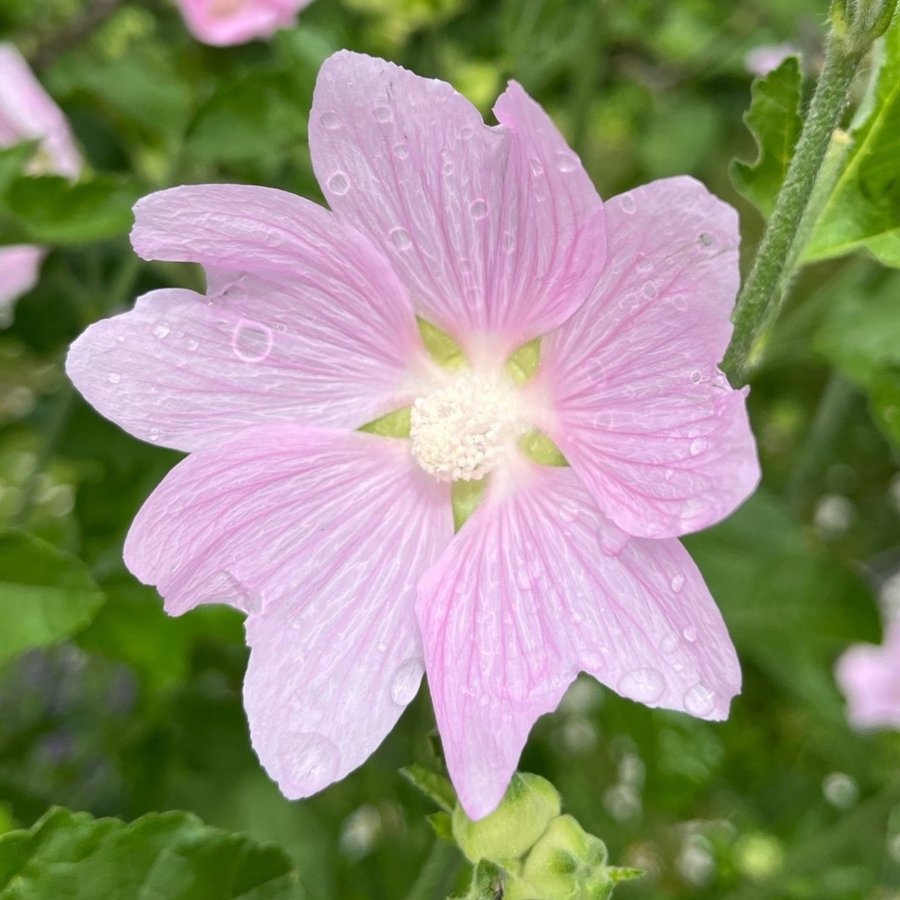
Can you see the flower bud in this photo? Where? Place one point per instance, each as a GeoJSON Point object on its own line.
{"type": "Point", "coordinates": [513, 828]}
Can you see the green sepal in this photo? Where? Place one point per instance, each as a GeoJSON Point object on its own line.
{"type": "Point", "coordinates": [440, 346]}
{"type": "Point", "coordinates": [523, 364]}
{"type": "Point", "coordinates": [442, 826]}
{"type": "Point", "coordinates": [465, 496]}
{"type": "Point", "coordinates": [624, 873]}
{"type": "Point", "coordinates": [435, 787]}
{"type": "Point", "coordinates": [394, 424]}
{"type": "Point", "coordinates": [487, 883]}
{"type": "Point", "coordinates": [538, 447]}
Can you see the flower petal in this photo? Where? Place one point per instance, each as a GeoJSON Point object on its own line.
{"type": "Point", "coordinates": [237, 21]}
{"type": "Point", "coordinates": [20, 265]}
{"type": "Point", "coordinates": [498, 231]}
{"type": "Point", "coordinates": [635, 399]}
{"type": "Point", "coordinates": [320, 537]}
{"type": "Point", "coordinates": [537, 586]}
{"type": "Point", "coordinates": [318, 332]}
{"type": "Point", "coordinates": [869, 677]}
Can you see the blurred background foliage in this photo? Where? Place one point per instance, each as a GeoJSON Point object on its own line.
{"type": "Point", "coordinates": [118, 710]}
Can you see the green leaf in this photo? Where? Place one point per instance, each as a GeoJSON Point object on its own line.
{"type": "Point", "coordinates": [863, 209]}
{"type": "Point", "coordinates": [774, 585]}
{"type": "Point", "coordinates": [172, 855]}
{"type": "Point", "coordinates": [884, 395]}
{"type": "Point", "coordinates": [51, 210]}
{"type": "Point", "coordinates": [13, 160]}
{"type": "Point", "coordinates": [432, 785]}
{"type": "Point", "coordinates": [775, 122]}
{"type": "Point", "coordinates": [250, 117]}
{"type": "Point", "coordinates": [487, 883]}
{"type": "Point", "coordinates": [45, 594]}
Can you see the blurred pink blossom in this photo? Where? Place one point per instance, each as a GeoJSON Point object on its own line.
{"type": "Point", "coordinates": [225, 22]}
{"type": "Point", "coordinates": [869, 676]}
{"type": "Point", "coordinates": [339, 544]}
{"type": "Point", "coordinates": [28, 113]}
{"type": "Point", "coordinates": [763, 59]}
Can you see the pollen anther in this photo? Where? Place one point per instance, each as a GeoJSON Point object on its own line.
{"type": "Point", "coordinates": [461, 431]}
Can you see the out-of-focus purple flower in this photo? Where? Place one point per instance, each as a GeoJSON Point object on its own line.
{"type": "Point", "coordinates": [27, 112]}
{"type": "Point", "coordinates": [869, 676]}
{"type": "Point", "coordinates": [225, 22]}
{"type": "Point", "coordinates": [763, 59]}
{"type": "Point", "coordinates": [338, 544]}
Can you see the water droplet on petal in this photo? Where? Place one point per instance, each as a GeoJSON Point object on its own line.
{"type": "Point", "coordinates": [627, 204]}
{"type": "Point", "coordinates": [192, 344]}
{"type": "Point", "coordinates": [508, 242]}
{"type": "Point", "coordinates": [339, 184]}
{"type": "Point", "coordinates": [466, 132]}
{"type": "Point", "coordinates": [697, 447]}
{"type": "Point", "coordinates": [309, 761]}
{"type": "Point", "coordinates": [381, 647]}
{"type": "Point", "coordinates": [568, 512]}
{"type": "Point", "coordinates": [650, 290]}
{"type": "Point", "coordinates": [536, 167]}
{"type": "Point", "coordinates": [567, 162]}
{"type": "Point", "coordinates": [161, 329]}
{"type": "Point", "coordinates": [251, 341]}
{"type": "Point", "coordinates": [690, 634]}
{"type": "Point", "coordinates": [523, 579]}
{"type": "Point", "coordinates": [643, 263]}
{"type": "Point", "coordinates": [613, 541]}
{"type": "Point", "coordinates": [679, 301]}
{"type": "Point", "coordinates": [405, 681]}
{"type": "Point", "coordinates": [114, 377]}
{"type": "Point", "coordinates": [643, 685]}
{"type": "Point", "coordinates": [699, 700]}
{"type": "Point", "coordinates": [478, 209]}
{"type": "Point", "coordinates": [401, 151]}
{"type": "Point", "coordinates": [400, 238]}
{"type": "Point", "coordinates": [677, 582]}
{"type": "Point", "coordinates": [669, 644]}
{"type": "Point", "coordinates": [696, 376]}
{"type": "Point", "coordinates": [330, 120]}
{"type": "Point", "coordinates": [382, 114]}
{"type": "Point", "coordinates": [449, 168]}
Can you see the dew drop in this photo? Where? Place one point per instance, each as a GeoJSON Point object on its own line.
{"type": "Point", "coordinates": [192, 344]}
{"type": "Point", "coordinates": [466, 132]}
{"type": "Point", "coordinates": [381, 647]}
{"type": "Point", "coordinates": [669, 644]}
{"type": "Point", "coordinates": [697, 447]}
{"type": "Point", "coordinates": [643, 685]}
{"type": "Point", "coordinates": [449, 168]}
{"type": "Point", "coordinates": [613, 541]}
{"type": "Point", "coordinates": [567, 162]}
{"type": "Point", "coordinates": [650, 290]}
{"type": "Point", "coordinates": [478, 209]}
{"type": "Point", "coordinates": [677, 582]}
{"type": "Point", "coordinates": [405, 681]}
{"type": "Point", "coordinates": [699, 700]}
{"type": "Point", "coordinates": [679, 301]}
{"type": "Point", "coordinates": [690, 634]}
{"type": "Point", "coordinates": [309, 761]}
{"type": "Point", "coordinates": [508, 242]}
{"type": "Point", "coordinates": [114, 377]}
{"type": "Point", "coordinates": [382, 114]}
{"type": "Point", "coordinates": [536, 167]}
{"type": "Point", "coordinates": [330, 120]}
{"type": "Point", "coordinates": [400, 238]}
{"type": "Point", "coordinates": [251, 341]}
{"type": "Point", "coordinates": [523, 579]}
{"type": "Point", "coordinates": [568, 512]}
{"type": "Point", "coordinates": [339, 184]}
{"type": "Point", "coordinates": [643, 263]}
{"type": "Point", "coordinates": [401, 151]}
{"type": "Point", "coordinates": [161, 329]}
{"type": "Point", "coordinates": [627, 204]}
{"type": "Point", "coordinates": [696, 376]}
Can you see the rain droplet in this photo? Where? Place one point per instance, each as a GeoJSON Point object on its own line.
{"type": "Point", "coordinates": [627, 204]}
{"type": "Point", "coordinates": [400, 238]}
{"type": "Point", "coordinates": [568, 512]}
{"type": "Point", "coordinates": [401, 151]}
{"type": "Point", "coordinates": [567, 162]}
{"type": "Point", "coordinates": [192, 344]}
{"type": "Point", "coordinates": [478, 209]}
{"type": "Point", "coordinates": [536, 166]}
{"type": "Point", "coordinates": [677, 582]}
{"type": "Point", "coordinates": [449, 168]}
{"type": "Point", "coordinates": [251, 341]}
{"type": "Point", "coordinates": [382, 114]}
{"type": "Point", "coordinates": [405, 681]}
{"type": "Point", "coordinates": [643, 263]}
{"type": "Point", "coordinates": [679, 301]}
{"type": "Point", "coordinates": [466, 132]}
{"type": "Point", "coordinates": [699, 700]}
{"type": "Point", "coordinates": [643, 685]}
{"type": "Point", "coordinates": [339, 184]}
{"type": "Point", "coordinates": [690, 634]}
{"type": "Point", "coordinates": [161, 329]}
{"type": "Point", "coordinates": [696, 376]}
{"type": "Point", "coordinates": [650, 290]}
{"type": "Point", "coordinates": [114, 377]}
{"type": "Point", "coordinates": [669, 644]}
{"type": "Point", "coordinates": [330, 120]}
{"type": "Point", "coordinates": [697, 447]}
{"type": "Point", "coordinates": [381, 647]}
{"type": "Point", "coordinates": [508, 242]}
{"type": "Point", "coordinates": [309, 761]}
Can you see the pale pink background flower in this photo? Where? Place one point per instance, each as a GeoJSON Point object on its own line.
{"type": "Point", "coordinates": [763, 59]}
{"type": "Point", "coordinates": [869, 676]}
{"type": "Point", "coordinates": [224, 22]}
{"type": "Point", "coordinates": [27, 112]}
{"type": "Point", "coordinates": [339, 544]}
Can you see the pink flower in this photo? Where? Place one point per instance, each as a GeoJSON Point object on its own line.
{"type": "Point", "coordinates": [763, 59]}
{"type": "Point", "coordinates": [869, 676]}
{"type": "Point", "coordinates": [27, 113]}
{"type": "Point", "coordinates": [338, 544]}
{"type": "Point", "coordinates": [225, 22]}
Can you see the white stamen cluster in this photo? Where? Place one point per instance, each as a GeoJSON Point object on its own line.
{"type": "Point", "coordinates": [460, 431]}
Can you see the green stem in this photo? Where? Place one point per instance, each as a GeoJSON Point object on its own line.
{"type": "Point", "coordinates": [763, 291]}
{"type": "Point", "coordinates": [437, 874]}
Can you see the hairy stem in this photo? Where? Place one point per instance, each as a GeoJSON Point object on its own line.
{"type": "Point", "coordinates": [763, 291]}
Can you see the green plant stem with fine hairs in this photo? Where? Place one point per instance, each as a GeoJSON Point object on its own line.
{"type": "Point", "coordinates": [763, 291]}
